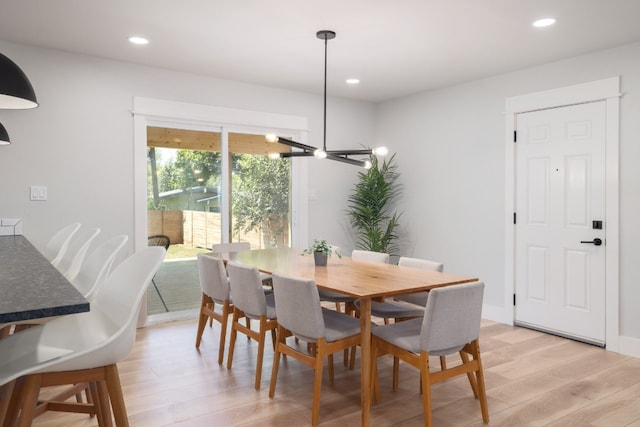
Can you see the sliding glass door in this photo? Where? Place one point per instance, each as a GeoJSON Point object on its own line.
{"type": "Point", "coordinates": [205, 188]}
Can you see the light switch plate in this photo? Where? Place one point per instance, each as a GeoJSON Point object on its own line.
{"type": "Point", "coordinates": [38, 192]}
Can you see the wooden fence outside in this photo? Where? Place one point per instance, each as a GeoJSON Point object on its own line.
{"type": "Point", "coordinates": [195, 228]}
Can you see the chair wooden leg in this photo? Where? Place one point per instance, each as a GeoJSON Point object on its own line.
{"type": "Point", "coordinates": [212, 306]}
{"type": "Point", "coordinates": [226, 310]}
{"type": "Point", "coordinates": [352, 358]}
{"type": "Point", "coordinates": [470, 375]}
{"type": "Point", "coordinates": [475, 352]}
{"type": "Point", "coordinates": [232, 340]}
{"type": "Point", "coordinates": [261, 340]}
{"type": "Point", "coordinates": [317, 386]}
{"type": "Point", "coordinates": [425, 380]}
{"type": "Point", "coordinates": [330, 369]}
{"type": "Point", "coordinates": [202, 320]}
{"type": "Point", "coordinates": [396, 371]}
{"type": "Point", "coordinates": [276, 362]}
{"type": "Point", "coordinates": [5, 398]}
{"type": "Point", "coordinates": [5, 331]}
{"type": "Point", "coordinates": [375, 386]}
{"type": "Point", "coordinates": [115, 395]}
{"type": "Point", "coordinates": [29, 400]}
{"type": "Point", "coordinates": [273, 338]}
{"type": "Point", "coordinates": [443, 363]}
{"type": "Point", "coordinates": [101, 397]}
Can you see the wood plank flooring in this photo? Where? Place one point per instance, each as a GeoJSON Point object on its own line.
{"type": "Point", "coordinates": [533, 379]}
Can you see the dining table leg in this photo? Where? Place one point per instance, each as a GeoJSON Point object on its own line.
{"type": "Point", "coordinates": [365, 359]}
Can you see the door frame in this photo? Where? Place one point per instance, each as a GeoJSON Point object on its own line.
{"type": "Point", "coordinates": [607, 90]}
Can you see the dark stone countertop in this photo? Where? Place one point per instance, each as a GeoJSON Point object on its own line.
{"type": "Point", "coordinates": [32, 288]}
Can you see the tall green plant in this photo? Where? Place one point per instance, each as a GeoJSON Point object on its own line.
{"type": "Point", "coordinates": [370, 207]}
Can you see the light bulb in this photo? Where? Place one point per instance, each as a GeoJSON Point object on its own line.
{"type": "Point", "coordinates": [545, 22]}
{"type": "Point", "coordinates": [138, 40]}
{"type": "Point", "coordinates": [320, 154]}
{"type": "Point", "coordinates": [274, 156]}
{"type": "Point", "coordinates": [271, 137]}
{"type": "Point", "coordinates": [380, 151]}
{"type": "Point", "coordinates": [367, 164]}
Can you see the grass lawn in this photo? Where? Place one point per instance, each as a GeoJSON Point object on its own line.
{"type": "Point", "coordinates": [181, 251]}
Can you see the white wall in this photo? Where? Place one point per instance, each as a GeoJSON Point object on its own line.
{"type": "Point", "coordinates": [450, 148]}
{"type": "Point", "coordinates": [79, 142]}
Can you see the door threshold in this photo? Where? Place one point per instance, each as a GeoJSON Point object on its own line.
{"type": "Point", "coordinates": [525, 325]}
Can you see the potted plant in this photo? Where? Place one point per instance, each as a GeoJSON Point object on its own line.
{"type": "Point", "coordinates": [321, 251]}
{"type": "Point", "coordinates": [371, 207]}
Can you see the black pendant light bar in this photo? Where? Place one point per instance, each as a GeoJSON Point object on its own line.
{"type": "Point", "coordinates": [322, 153]}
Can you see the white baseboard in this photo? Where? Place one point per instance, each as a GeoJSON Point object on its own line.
{"type": "Point", "coordinates": [498, 314]}
{"type": "Point", "coordinates": [629, 346]}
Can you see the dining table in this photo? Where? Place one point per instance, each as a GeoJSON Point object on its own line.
{"type": "Point", "coordinates": [360, 279]}
{"type": "Point", "coordinates": [31, 287]}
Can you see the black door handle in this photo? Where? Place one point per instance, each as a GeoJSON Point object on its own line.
{"type": "Point", "coordinates": [595, 241]}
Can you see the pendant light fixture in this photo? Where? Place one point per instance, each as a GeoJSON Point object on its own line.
{"type": "Point", "coordinates": [323, 153]}
{"type": "Point", "coordinates": [16, 92]}
{"type": "Point", "coordinates": [4, 136]}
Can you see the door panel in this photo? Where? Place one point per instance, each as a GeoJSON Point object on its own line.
{"type": "Point", "coordinates": [560, 158]}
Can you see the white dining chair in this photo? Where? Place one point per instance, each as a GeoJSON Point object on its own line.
{"type": "Point", "coordinates": [79, 348]}
{"type": "Point", "coordinates": [97, 265]}
{"type": "Point", "coordinates": [69, 264]}
{"type": "Point", "coordinates": [93, 272]}
{"type": "Point", "coordinates": [58, 243]}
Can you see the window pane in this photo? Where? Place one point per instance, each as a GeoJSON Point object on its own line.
{"type": "Point", "coordinates": [260, 199]}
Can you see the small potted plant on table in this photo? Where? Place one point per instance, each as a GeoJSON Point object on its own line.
{"type": "Point", "coordinates": [321, 251]}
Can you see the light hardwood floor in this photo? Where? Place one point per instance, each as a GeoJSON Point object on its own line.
{"type": "Point", "coordinates": [533, 379]}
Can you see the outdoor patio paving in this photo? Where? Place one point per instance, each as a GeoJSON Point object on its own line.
{"type": "Point", "coordinates": [177, 281]}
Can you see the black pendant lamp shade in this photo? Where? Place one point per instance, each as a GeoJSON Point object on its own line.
{"type": "Point", "coordinates": [16, 92]}
{"type": "Point", "coordinates": [4, 136]}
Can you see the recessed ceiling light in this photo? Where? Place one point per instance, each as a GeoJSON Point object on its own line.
{"type": "Point", "coordinates": [545, 22]}
{"type": "Point", "coordinates": [353, 81]}
{"type": "Point", "coordinates": [138, 40]}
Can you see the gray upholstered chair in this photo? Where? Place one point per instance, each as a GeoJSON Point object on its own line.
{"type": "Point", "coordinates": [237, 247]}
{"type": "Point", "coordinates": [357, 255]}
{"type": "Point", "coordinates": [215, 290]}
{"type": "Point", "coordinates": [300, 314]}
{"type": "Point", "coordinates": [417, 300]}
{"type": "Point", "coordinates": [451, 324]}
{"type": "Point", "coordinates": [351, 303]}
{"type": "Point", "coordinates": [249, 300]}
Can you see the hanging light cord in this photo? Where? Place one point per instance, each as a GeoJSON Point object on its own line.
{"type": "Point", "coordinates": [324, 132]}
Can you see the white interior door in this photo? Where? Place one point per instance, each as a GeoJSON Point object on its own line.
{"type": "Point", "coordinates": [560, 207]}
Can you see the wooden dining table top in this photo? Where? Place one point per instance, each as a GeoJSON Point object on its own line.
{"type": "Point", "coordinates": [355, 278]}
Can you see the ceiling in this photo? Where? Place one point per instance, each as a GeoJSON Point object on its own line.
{"type": "Point", "coordinates": [395, 48]}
